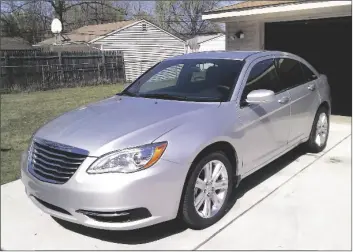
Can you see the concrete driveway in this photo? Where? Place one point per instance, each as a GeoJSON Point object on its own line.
{"type": "Point", "coordinates": [301, 201]}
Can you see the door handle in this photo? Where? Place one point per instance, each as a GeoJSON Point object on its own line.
{"type": "Point", "coordinates": [283, 100]}
{"type": "Point", "coordinates": [311, 87]}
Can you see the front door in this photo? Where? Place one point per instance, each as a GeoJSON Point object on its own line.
{"type": "Point", "coordinates": [265, 127]}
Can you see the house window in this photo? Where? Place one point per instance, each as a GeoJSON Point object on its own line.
{"type": "Point", "coordinates": [144, 27]}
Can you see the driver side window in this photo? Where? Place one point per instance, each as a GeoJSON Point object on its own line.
{"type": "Point", "coordinates": [262, 76]}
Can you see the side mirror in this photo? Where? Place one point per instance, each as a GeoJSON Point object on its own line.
{"type": "Point", "coordinates": [260, 96]}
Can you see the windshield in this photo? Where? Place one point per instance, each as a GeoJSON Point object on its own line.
{"type": "Point", "coordinates": [210, 80]}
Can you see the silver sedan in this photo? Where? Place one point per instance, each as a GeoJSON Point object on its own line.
{"type": "Point", "coordinates": [177, 141]}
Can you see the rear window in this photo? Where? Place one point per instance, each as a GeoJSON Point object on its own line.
{"type": "Point", "coordinates": [308, 74]}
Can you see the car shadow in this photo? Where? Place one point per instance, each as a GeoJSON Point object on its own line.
{"type": "Point", "coordinates": [131, 237]}
{"type": "Point", "coordinates": [170, 228]}
{"type": "Point", "coordinates": [264, 173]}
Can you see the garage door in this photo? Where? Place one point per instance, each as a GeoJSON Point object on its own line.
{"type": "Point", "coordinates": [327, 45]}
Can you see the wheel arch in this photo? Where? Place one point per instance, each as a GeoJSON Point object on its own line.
{"type": "Point", "coordinates": [223, 146]}
{"type": "Point", "coordinates": [326, 105]}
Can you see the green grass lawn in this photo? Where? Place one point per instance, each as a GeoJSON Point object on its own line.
{"type": "Point", "coordinates": [22, 114]}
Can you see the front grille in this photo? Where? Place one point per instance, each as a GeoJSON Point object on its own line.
{"type": "Point", "coordinates": [53, 165]}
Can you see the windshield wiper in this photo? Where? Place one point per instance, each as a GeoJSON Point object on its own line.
{"type": "Point", "coordinates": [179, 97]}
{"type": "Point", "coordinates": [165, 96]}
{"type": "Point", "coordinates": [127, 93]}
{"type": "Point", "coordinates": [158, 96]}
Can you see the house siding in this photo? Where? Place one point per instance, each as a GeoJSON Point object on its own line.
{"type": "Point", "coordinates": [142, 49]}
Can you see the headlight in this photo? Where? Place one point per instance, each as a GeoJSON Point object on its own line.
{"type": "Point", "coordinates": [129, 160]}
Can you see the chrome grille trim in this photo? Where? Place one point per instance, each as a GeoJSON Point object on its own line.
{"type": "Point", "coordinates": [54, 163]}
{"type": "Point", "coordinates": [36, 157]}
{"type": "Point", "coordinates": [51, 170]}
{"type": "Point", "coordinates": [53, 153]}
{"type": "Point", "coordinates": [43, 156]}
{"type": "Point", "coordinates": [50, 174]}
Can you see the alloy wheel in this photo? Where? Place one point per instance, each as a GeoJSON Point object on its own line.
{"type": "Point", "coordinates": [210, 189]}
{"type": "Point", "coordinates": [321, 130]}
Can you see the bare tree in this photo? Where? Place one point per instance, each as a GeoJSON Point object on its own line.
{"type": "Point", "coordinates": [99, 9]}
{"type": "Point", "coordinates": [185, 17]}
{"type": "Point", "coordinates": [142, 10]}
{"type": "Point", "coordinates": [97, 12]}
{"type": "Point", "coordinates": [31, 19]}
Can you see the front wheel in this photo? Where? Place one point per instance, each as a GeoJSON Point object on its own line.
{"type": "Point", "coordinates": [207, 191]}
{"type": "Point", "coordinates": [319, 132]}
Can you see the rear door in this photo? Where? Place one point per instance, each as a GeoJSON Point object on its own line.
{"type": "Point", "coordinates": [265, 127]}
{"type": "Point", "coordinates": [301, 84]}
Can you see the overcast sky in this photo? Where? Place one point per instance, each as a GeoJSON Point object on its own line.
{"type": "Point", "coordinates": [147, 5]}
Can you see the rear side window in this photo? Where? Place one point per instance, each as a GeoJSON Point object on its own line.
{"type": "Point", "coordinates": [290, 73]}
{"type": "Point", "coordinates": [308, 74]}
{"type": "Point", "coordinates": [262, 76]}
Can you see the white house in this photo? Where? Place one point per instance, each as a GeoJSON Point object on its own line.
{"type": "Point", "coordinates": [318, 31]}
{"type": "Point", "coordinates": [214, 42]}
{"type": "Point", "coordinates": [143, 43]}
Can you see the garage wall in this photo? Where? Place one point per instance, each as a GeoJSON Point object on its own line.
{"type": "Point", "coordinates": [253, 35]}
{"type": "Point", "coordinates": [254, 26]}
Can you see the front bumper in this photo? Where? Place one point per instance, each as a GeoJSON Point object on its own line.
{"type": "Point", "coordinates": [157, 189]}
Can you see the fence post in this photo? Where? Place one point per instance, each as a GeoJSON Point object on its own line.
{"type": "Point", "coordinates": [123, 66]}
{"type": "Point", "coordinates": [60, 68]}
{"type": "Point", "coordinates": [104, 66]}
{"type": "Point", "coordinates": [99, 71]}
{"type": "Point", "coordinates": [5, 67]}
{"type": "Point", "coordinates": [9, 70]}
{"type": "Point", "coordinates": [43, 79]}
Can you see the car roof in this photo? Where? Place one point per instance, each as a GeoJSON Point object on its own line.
{"type": "Point", "coordinates": [233, 55]}
{"type": "Point", "coordinates": [241, 55]}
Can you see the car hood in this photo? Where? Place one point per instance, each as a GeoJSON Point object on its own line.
{"type": "Point", "coordinates": [120, 122]}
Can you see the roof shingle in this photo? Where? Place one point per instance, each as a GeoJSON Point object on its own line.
{"type": "Point", "coordinates": [90, 32]}
{"type": "Point", "coordinates": [253, 4]}
{"type": "Point", "coordinates": [14, 43]}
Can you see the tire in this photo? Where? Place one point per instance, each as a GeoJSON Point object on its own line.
{"type": "Point", "coordinates": [312, 144]}
{"type": "Point", "coordinates": [189, 214]}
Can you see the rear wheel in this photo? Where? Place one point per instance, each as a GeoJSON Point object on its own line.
{"type": "Point", "coordinates": [207, 191]}
{"type": "Point", "coordinates": [319, 132]}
